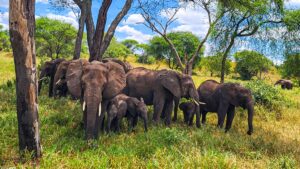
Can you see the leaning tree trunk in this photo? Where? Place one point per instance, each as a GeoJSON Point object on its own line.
{"type": "Point", "coordinates": [90, 28]}
{"type": "Point", "coordinates": [82, 19]}
{"type": "Point", "coordinates": [225, 57]}
{"type": "Point", "coordinates": [21, 29]}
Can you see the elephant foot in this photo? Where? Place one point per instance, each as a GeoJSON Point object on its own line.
{"type": "Point", "coordinates": [249, 132]}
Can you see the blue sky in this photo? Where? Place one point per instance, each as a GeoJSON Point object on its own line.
{"type": "Point", "coordinates": [189, 19]}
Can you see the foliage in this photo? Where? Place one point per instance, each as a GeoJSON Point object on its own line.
{"type": "Point", "coordinates": [54, 38]}
{"type": "Point", "coordinates": [130, 44]}
{"type": "Point", "coordinates": [184, 42]}
{"type": "Point", "coordinates": [116, 50]}
{"type": "Point", "coordinates": [213, 64]}
{"type": "Point", "coordinates": [290, 67]}
{"type": "Point", "coordinates": [274, 143]}
{"type": "Point", "coordinates": [265, 94]}
{"type": "Point", "coordinates": [250, 63]}
{"type": "Point", "coordinates": [4, 39]}
{"type": "Point", "coordinates": [292, 20]}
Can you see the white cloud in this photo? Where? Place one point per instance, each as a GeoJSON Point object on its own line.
{"type": "Point", "coordinates": [42, 1]}
{"type": "Point", "coordinates": [69, 18]}
{"type": "Point", "coordinates": [190, 18]}
{"type": "Point", "coordinates": [292, 4]}
{"type": "Point", "coordinates": [4, 20]}
{"type": "Point", "coordinates": [134, 19]}
{"type": "Point", "coordinates": [132, 33]}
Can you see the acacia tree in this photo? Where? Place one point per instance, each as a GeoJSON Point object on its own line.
{"type": "Point", "coordinates": [98, 41]}
{"type": "Point", "coordinates": [21, 30]}
{"type": "Point", "coordinates": [243, 19]}
{"type": "Point", "coordinates": [151, 11]}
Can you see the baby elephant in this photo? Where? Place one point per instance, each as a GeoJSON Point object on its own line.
{"type": "Point", "coordinates": [125, 106]}
{"type": "Point", "coordinates": [188, 108]}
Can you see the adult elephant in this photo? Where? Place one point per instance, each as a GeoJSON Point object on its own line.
{"type": "Point", "coordinates": [126, 66]}
{"type": "Point", "coordinates": [285, 84]}
{"type": "Point", "coordinates": [48, 70]}
{"type": "Point", "coordinates": [95, 83]}
{"type": "Point", "coordinates": [160, 88]}
{"type": "Point", "coordinates": [60, 84]}
{"type": "Point", "coordinates": [223, 98]}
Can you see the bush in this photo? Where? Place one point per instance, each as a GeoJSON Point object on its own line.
{"type": "Point", "coordinates": [146, 59]}
{"type": "Point", "coordinates": [265, 94]}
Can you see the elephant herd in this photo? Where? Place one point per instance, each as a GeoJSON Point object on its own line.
{"type": "Point", "coordinates": [112, 89]}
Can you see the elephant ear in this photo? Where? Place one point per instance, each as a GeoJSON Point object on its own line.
{"type": "Point", "coordinates": [73, 77]}
{"type": "Point", "coordinates": [171, 81]}
{"type": "Point", "coordinates": [116, 80]}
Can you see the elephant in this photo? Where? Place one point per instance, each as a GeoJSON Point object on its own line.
{"type": "Point", "coordinates": [95, 83]}
{"type": "Point", "coordinates": [125, 106]}
{"type": "Point", "coordinates": [188, 108]}
{"type": "Point", "coordinates": [126, 66]}
{"type": "Point", "coordinates": [223, 98]}
{"type": "Point", "coordinates": [159, 88]}
{"type": "Point", "coordinates": [60, 85]}
{"type": "Point", "coordinates": [48, 70]}
{"type": "Point", "coordinates": [285, 84]}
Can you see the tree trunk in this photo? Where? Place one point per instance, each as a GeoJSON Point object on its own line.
{"type": "Point", "coordinates": [21, 29]}
{"type": "Point", "coordinates": [89, 25]}
{"type": "Point", "coordinates": [82, 19]}
{"type": "Point", "coordinates": [99, 33]}
{"type": "Point", "coordinates": [188, 68]}
{"type": "Point", "coordinates": [225, 57]}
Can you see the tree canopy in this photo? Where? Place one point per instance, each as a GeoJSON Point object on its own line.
{"type": "Point", "coordinates": [213, 64]}
{"type": "Point", "coordinates": [4, 39]}
{"type": "Point", "coordinates": [54, 38]}
{"type": "Point", "coordinates": [291, 66]}
{"type": "Point", "coordinates": [251, 63]}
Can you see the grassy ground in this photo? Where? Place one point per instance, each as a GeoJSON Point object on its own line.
{"type": "Point", "coordinates": [274, 144]}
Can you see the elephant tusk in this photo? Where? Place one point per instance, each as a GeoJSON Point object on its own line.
{"type": "Point", "coordinates": [58, 82]}
{"type": "Point", "coordinates": [202, 103]}
{"type": "Point", "coordinates": [99, 109]}
{"type": "Point", "coordinates": [83, 106]}
{"type": "Point", "coordinates": [195, 102]}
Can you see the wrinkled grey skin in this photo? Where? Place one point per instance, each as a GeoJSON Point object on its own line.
{"type": "Point", "coordinates": [59, 83]}
{"type": "Point", "coordinates": [160, 88]}
{"type": "Point", "coordinates": [95, 84]}
{"type": "Point", "coordinates": [188, 108]}
{"type": "Point", "coordinates": [48, 70]}
{"type": "Point", "coordinates": [285, 84]}
{"type": "Point", "coordinates": [125, 106]}
{"type": "Point", "coordinates": [223, 98]}
{"type": "Point", "coordinates": [126, 66]}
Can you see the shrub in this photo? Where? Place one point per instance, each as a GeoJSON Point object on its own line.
{"type": "Point", "coordinates": [265, 94]}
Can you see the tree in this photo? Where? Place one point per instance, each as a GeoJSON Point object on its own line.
{"type": "Point", "coordinates": [4, 39]}
{"type": "Point", "coordinates": [184, 42]}
{"type": "Point", "coordinates": [130, 44]}
{"type": "Point", "coordinates": [21, 30]}
{"type": "Point", "coordinates": [151, 11]}
{"type": "Point", "coordinates": [290, 67]}
{"type": "Point", "coordinates": [243, 19]}
{"type": "Point", "coordinates": [251, 63]}
{"type": "Point", "coordinates": [213, 64]}
{"type": "Point", "coordinates": [292, 35]}
{"type": "Point", "coordinates": [116, 50]}
{"type": "Point", "coordinates": [54, 38]}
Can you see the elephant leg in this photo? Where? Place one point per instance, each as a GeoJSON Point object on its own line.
{"type": "Point", "coordinates": [118, 124]}
{"type": "Point", "coordinates": [230, 116]}
{"type": "Point", "coordinates": [168, 111]}
{"type": "Point", "coordinates": [130, 124]}
{"type": "Point", "coordinates": [203, 113]}
{"type": "Point", "coordinates": [135, 121]}
{"type": "Point", "coordinates": [109, 122]}
{"type": "Point", "coordinates": [84, 119]}
{"type": "Point", "coordinates": [51, 86]}
{"type": "Point", "coordinates": [191, 118]}
{"type": "Point", "coordinates": [222, 110]}
{"type": "Point", "coordinates": [158, 103]}
{"type": "Point", "coordinates": [176, 103]}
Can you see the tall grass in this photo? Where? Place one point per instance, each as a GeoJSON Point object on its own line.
{"type": "Point", "coordinates": [274, 144]}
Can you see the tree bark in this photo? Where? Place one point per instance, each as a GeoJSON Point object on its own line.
{"type": "Point", "coordinates": [83, 14]}
{"type": "Point", "coordinates": [111, 30]}
{"type": "Point", "coordinates": [89, 25]}
{"type": "Point", "coordinates": [21, 29]}
{"type": "Point", "coordinates": [225, 55]}
{"type": "Point", "coordinates": [99, 33]}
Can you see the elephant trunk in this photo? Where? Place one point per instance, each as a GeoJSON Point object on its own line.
{"type": "Point", "coordinates": [145, 119]}
{"type": "Point", "coordinates": [250, 108]}
{"type": "Point", "coordinates": [93, 113]}
{"type": "Point", "coordinates": [194, 95]}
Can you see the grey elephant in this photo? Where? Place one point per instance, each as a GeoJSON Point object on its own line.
{"type": "Point", "coordinates": [188, 108]}
{"type": "Point", "coordinates": [285, 84]}
{"type": "Point", "coordinates": [95, 84]}
{"type": "Point", "coordinates": [60, 85]}
{"type": "Point", "coordinates": [223, 98]}
{"type": "Point", "coordinates": [160, 88]}
{"type": "Point", "coordinates": [129, 107]}
{"type": "Point", "coordinates": [48, 69]}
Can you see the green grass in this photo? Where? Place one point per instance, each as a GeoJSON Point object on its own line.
{"type": "Point", "coordinates": [274, 144]}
